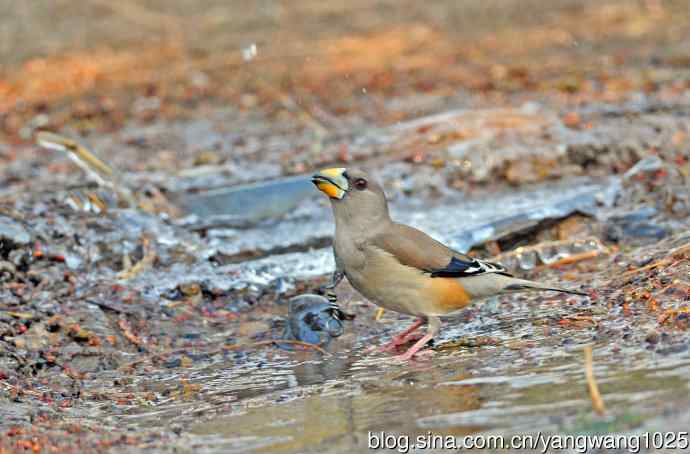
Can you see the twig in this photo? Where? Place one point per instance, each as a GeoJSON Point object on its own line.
{"type": "Point", "coordinates": [574, 258]}
{"type": "Point", "coordinates": [665, 261]}
{"type": "Point", "coordinates": [674, 283]}
{"type": "Point", "coordinates": [105, 307]}
{"type": "Point", "coordinates": [10, 387]}
{"type": "Point", "coordinates": [586, 255]}
{"type": "Point", "coordinates": [96, 168]}
{"type": "Point", "coordinates": [129, 335]}
{"type": "Point", "coordinates": [145, 262]}
{"type": "Point", "coordinates": [668, 313]}
{"type": "Point", "coordinates": [649, 266]}
{"type": "Point", "coordinates": [597, 401]}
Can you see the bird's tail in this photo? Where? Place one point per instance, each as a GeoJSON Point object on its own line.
{"type": "Point", "coordinates": [523, 285]}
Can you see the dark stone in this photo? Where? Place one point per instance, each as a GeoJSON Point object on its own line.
{"type": "Point", "coordinates": [652, 337]}
{"type": "Point", "coordinates": [12, 235]}
{"type": "Point", "coordinates": [313, 319]}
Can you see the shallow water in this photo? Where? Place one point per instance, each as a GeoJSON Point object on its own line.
{"type": "Point", "coordinates": [331, 405]}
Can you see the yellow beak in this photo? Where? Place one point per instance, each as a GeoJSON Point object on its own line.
{"type": "Point", "coordinates": [332, 182]}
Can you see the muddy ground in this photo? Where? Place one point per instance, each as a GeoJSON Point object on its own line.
{"type": "Point", "coordinates": [143, 316]}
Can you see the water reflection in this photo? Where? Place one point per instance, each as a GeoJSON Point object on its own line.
{"type": "Point", "coordinates": [335, 404]}
{"type": "Point", "coordinates": [343, 420]}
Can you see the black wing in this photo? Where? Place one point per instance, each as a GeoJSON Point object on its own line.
{"type": "Point", "coordinates": [464, 268]}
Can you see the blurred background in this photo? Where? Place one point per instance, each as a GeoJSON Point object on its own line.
{"type": "Point", "coordinates": [324, 56]}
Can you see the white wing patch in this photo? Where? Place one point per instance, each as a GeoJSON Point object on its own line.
{"type": "Point", "coordinates": [464, 268]}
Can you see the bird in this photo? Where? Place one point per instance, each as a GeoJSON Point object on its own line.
{"type": "Point", "coordinates": [401, 268]}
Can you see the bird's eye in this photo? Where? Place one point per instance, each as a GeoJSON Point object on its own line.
{"type": "Point", "coordinates": [360, 184]}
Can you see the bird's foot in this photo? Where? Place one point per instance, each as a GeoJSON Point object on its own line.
{"type": "Point", "coordinates": [390, 346]}
{"type": "Point", "coordinates": [397, 341]}
{"type": "Point", "coordinates": [402, 338]}
{"type": "Point", "coordinates": [415, 349]}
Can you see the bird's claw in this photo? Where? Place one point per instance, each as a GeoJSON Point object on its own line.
{"type": "Point", "coordinates": [395, 343]}
{"type": "Point", "coordinates": [384, 348]}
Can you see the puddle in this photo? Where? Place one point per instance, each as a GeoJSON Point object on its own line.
{"type": "Point", "coordinates": [247, 205]}
{"type": "Point", "coordinates": [419, 399]}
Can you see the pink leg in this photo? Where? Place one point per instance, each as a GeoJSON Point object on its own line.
{"type": "Point", "coordinates": [402, 337]}
{"type": "Point", "coordinates": [434, 328]}
{"type": "Point", "coordinates": [415, 348]}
